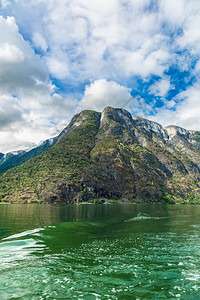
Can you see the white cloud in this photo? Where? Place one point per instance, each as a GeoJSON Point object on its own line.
{"type": "Point", "coordinates": [197, 68]}
{"type": "Point", "coordinates": [104, 93]}
{"type": "Point", "coordinates": [5, 3]}
{"type": "Point", "coordinates": [111, 39]}
{"type": "Point", "coordinates": [183, 15]}
{"type": "Point", "coordinates": [173, 11]}
{"type": "Point", "coordinates": [102, 39]}
{"type": "Point", "coordinates": [27, 122]}
{"type": "Point", "coordinates": [140, 63]}
{"type": "Point", "coordinates": [10, 111]}
{"type": "Point", "coordinates": [84, 41]}
{"type": "Point", "coordinates": [187, 110]}
{"type": "Point", "coordinates": [161, 87]}
{"type": "Point", "coordinates": [20, 68]}
{"type": "Point", "coordinates": [58, 68]}
{"type": "Point", "coordinates": [39, 41]}
{"type": "Point", "coordinates": [35, 112]}
{"type": "Point", "coordinates": [10, 54]}
{"type": "Point", "coordinates": [191, 35]}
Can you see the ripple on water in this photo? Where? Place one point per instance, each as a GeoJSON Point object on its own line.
{"type": "Point", "coordinates": [143, 216]}
{"type": "Point", "coordinates": [119, 263]}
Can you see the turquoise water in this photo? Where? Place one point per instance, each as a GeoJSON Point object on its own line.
{"type": "Point", "coordinates": [99, 252]}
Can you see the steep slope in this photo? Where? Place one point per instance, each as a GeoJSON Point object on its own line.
{"type": "Point", "coordinates": [14, 159]}
{"type": "Point", "coordinates": [1, 156]}
{"type": "Point", "coordinates": [110, 155]}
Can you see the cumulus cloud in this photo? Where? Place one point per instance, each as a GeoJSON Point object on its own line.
{"type": "Point", "coordinates": [58, 68]}
{"type": "Point", "coordinates": [20, 68]}
{"type": "Point", "coordinates": [187, 110]}
{"type": "Point", "coordinates": [25, 123]}
{"type": "Point", "coordinates": [102, 93]}
{"type": "Point", "coordinates": [92, 40]}
{"type": "Point", "coordinates": [81, 41]}
{"type": "Point", "coordinates": [30, 109]}
{"type": "Point", "coordinates": [10, 54]}
{"type": "Point", "coordinates": [143, 64]}
{"type": "Point", "coordinates": [109, 39]}
{"type": "Point", "coordinates": [10, 111]}
{"type": "Point", "coordinates": [183, 16]}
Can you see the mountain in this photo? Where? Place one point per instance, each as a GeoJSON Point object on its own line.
{"type": "Point", "coordinates": [1, 156]}
{"type": "Point", "coordinates": [110, 155]}
{"type": "Point", "coordinates": [16, 158]}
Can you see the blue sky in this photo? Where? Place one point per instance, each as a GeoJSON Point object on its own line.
{"type": "Point", "coordinates": [58, 57]}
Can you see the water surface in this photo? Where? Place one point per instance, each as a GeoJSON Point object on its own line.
{"type": "Point", "coordinates": [99, 252]}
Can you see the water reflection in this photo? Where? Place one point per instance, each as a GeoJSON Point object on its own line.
{"type": "Point", "coordinates": [18, 218]}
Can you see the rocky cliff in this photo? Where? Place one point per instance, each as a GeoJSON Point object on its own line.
{"type": "Point", "coordinates": [110, 155]}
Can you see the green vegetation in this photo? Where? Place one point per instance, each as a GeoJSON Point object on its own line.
{"type": "Point", "coordinates": [197, 136]}
{"type": "Point", "coordinates": [12, 160]}
{"type": "Point", "coordinates": [64, 161]}
{"type": "Point", "coordinates": [93, 162]}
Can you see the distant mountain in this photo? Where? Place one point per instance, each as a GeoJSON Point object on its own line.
{"type": "Point", "coordinates": [16, 158]}
{"type": "Point", "coordinates": [109, 156]}
{"type": "Point", "coordinates": [1, 156]}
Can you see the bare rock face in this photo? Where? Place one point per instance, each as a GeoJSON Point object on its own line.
{"type": "Point", "coordinates": [150, 128]}
{"type": "Point", "coordinates": [178, 136]}
{"type": "Point", "coordinates": [110, 155]}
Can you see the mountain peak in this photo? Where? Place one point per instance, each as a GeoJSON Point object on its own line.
{"type": "Point", "coordinates": [109, 155]}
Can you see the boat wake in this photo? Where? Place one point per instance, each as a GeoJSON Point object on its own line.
{"type": "Point", "coordinates": [142, 216]}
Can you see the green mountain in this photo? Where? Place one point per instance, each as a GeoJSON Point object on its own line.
{"type": "Point", "coordinates": [16, 158]}
{"type": "Point", "coordinates": [109, 156]}
{"type": "Point", "coordinates": [1, 157]}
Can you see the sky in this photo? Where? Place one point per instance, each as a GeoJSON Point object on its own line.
{"type": "Point", "coordinates": [58, 57]}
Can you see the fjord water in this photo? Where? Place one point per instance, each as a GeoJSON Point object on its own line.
{"type": "Point", "coordinates": [99, 252]}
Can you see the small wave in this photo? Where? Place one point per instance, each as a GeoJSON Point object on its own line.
{"type": "Point", "coordinates": [143, 216]}
{"type": "Point", "coordinates": [23, 234]}
{"type": "Point", "coordinates": [12, 251]}
{"type": "Point", "coordinates": [18, 246]}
